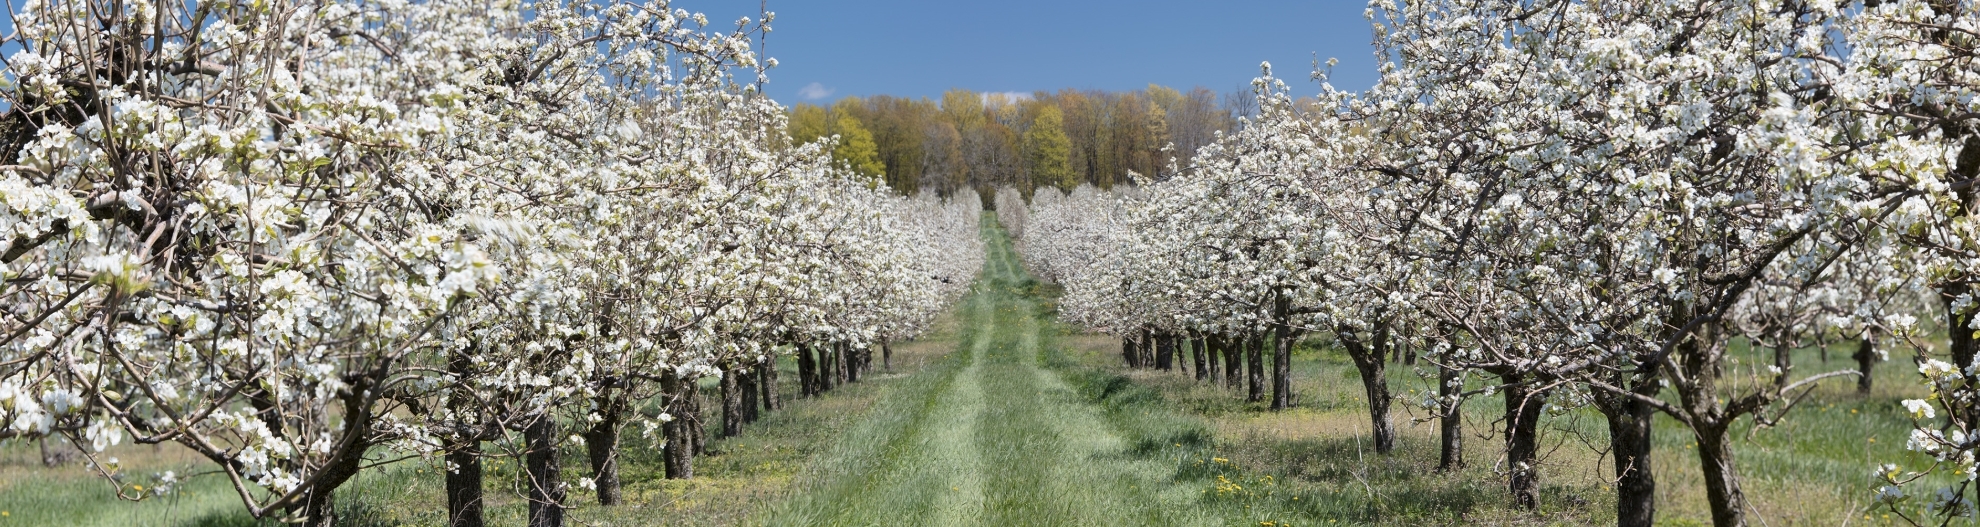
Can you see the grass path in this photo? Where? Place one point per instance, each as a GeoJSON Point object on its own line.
{"type": "Point", "coordinates": [990, 436]}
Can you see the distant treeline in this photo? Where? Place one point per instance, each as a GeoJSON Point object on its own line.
{"type": "Point", "coordinates": [992, 140]}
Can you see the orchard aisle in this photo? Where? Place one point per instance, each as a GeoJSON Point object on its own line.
{"type": "Point", "coordinates": [988, 437]}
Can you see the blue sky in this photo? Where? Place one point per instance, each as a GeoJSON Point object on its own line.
{"type": "Point", "coordinates": [919, 48]}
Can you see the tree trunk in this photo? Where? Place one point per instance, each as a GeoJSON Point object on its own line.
{"type": "Point", "coordinates": [546, 488]}
{"type": "Point", "coordinates": [697, 429]}
{"type": "Point", "coordinates": [1196, 355]}
{"type": "Point", "coordinates": [1866, 357]}
{"type": "Point", "coordinates": [766, 375]}
{"type": "Point", "coordinates": [849, 359]}
{"type": "Point", "coordinates": [1282, 368]}
{"type": "Point", "coordinates": [751, 401]}
{"type": "Point", "coordinates": [1721, 476]}
{"type": "Point", "coordinates": [1147, 348]}
{"type": "Point", "coordinates": [1165, 352]}
{"type": "Point", "coordinates": [678, 455]}
{"type": "Point", "coordinates": [319, 506]}
{"type": "Point", "coordinates": [1959, 336]}
{"type": "Point", "coordinates": [838, 365]}
{"type": "Point", "coordinates": [601, 444]}
{"type": "Point", "coordinates": [319, 509]}
{"type": "Point", "coordinates": [1127, 351]}
{"type": "Point", "coordinates": [1523, 407]}
{"type": "Point", "coordinates": [464, 493]}
{"type": "Point", "coordinates": [827, 362]}
{"type": "Point", "coordinates": [1450, 425]}
{"type": "Point", "coordinates": [1182, 353]}
{"type": "Point", "coordinates": [1255, 367]}
{"type": "Point", "coordinates": [464, 498]}
{"type": "Point", "coordinates": [854, 362]}
{"type": "Point", "coordinates": [732, 401]}
{"type": "Point", "coordinates": [1212, 359]}
{"type": "Point", "coordinates": [821, 368]}
{"type": "Point", "coordinates": [1630, 449]}
{"type": "Point", "coordinates": [887, 356]}
{"type": "Point", "coordinates": [1370, 361]}
{"type": "Point", "coordinates": [1233, 361]}
{"type": "Point", "coordinates": [807, 371]}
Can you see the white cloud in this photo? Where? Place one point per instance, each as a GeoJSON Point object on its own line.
{"type": "Point", "coordinates": [814, 91]}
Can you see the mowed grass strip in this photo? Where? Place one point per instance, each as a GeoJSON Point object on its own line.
{"type": "Point", "coordinates": [995, 437]}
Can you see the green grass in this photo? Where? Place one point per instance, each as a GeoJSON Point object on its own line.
{"type": "Point", "coordinates": [32, 494]}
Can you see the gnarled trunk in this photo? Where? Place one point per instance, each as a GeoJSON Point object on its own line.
{"type": "Point", "coordinates": [319, 505]}
{"type": "Point", "coordinates": [823, 362]}
{"type": "Point", "coordinates": [855, 362]}
{"type": "Point", "coordinates": [766, 375]}
{"type": "Point", "coordinates": [678, 455]}
{"type": "Point", "coordinates": [1450, 425]}
{"type": "Point", "coordinates": [1148, 345]}
{"type": "Point", "coordinates": [1282, 368]}
{"type": "Point", "coordinates": [1866, 357]}
{"type": "Point", "coordinates": [601, 444]}
{"type": "Point", "coordinates": [1255, 367]}
{"type": "Point", "coordinates": [807, 371]}
{"type": "Point", "coordinates": [1233, 360]}
{"type": "Point", "coordinates": [750, 403]}
{"type": "Point", "coordinates": [1629, 450]}
{"type": "Point", "coordinates": [1959, 336]}
{"type": "Point", "coordinates": [1196, 356]}
{"type": "Point", "coordinates": [464, 495]}
{"type": "Point", "coordinates": [1212, 357]}
{"type": "Point", "coordinates": [1722, 490]}
{"type": "Point", "coordinates": [1523, 406]}
{"type": "Point", "coordinates": [697, 430]}
{"type": "Point", "coordinates": [1371, 361]}
{"type": "Point", "coordinates": [546, 487]}
{"type": "Point", "coordinates": [732, 402]}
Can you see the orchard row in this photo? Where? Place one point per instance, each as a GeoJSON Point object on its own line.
{"type": "Point", "coordinates": [306, 239]}
{"type": "Point", "coordinates": [1638, 207]}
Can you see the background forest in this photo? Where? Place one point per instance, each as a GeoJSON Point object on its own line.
{"type": "Point", "coordinates": [986, 141]}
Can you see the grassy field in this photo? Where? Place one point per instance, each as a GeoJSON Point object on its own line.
{"type": "Point", "coordinates": [1004, 417]}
